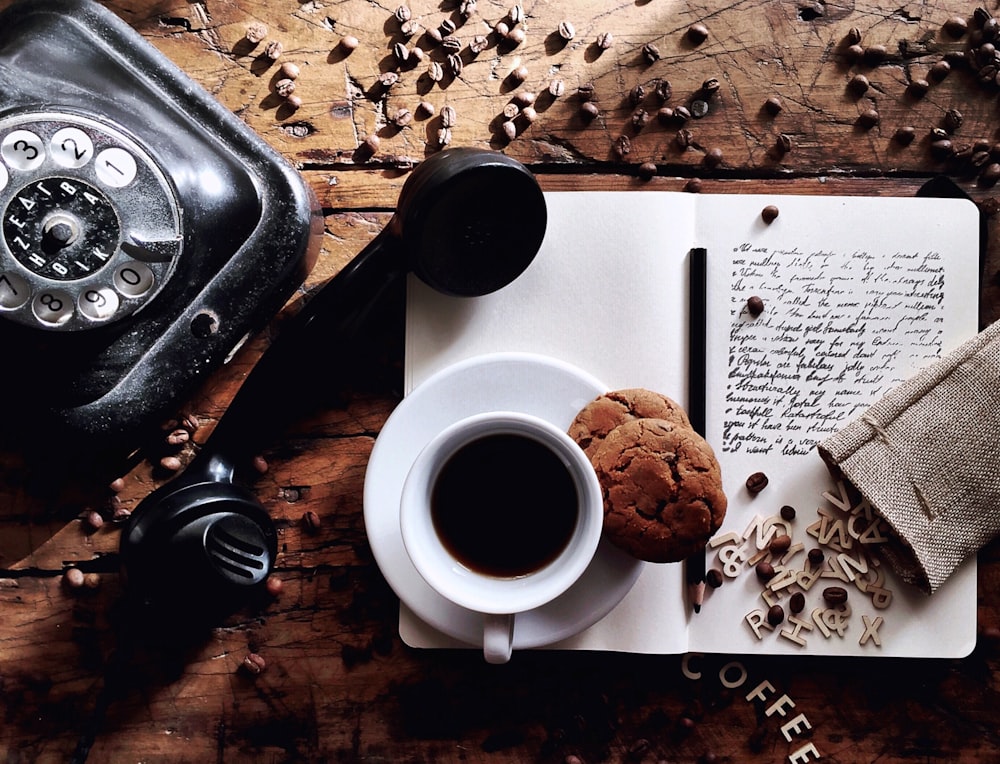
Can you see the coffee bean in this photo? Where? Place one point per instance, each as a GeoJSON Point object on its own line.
{"type": "Point", "coordinates": [787, 512]}
{"type": "Point", "coordinates": [773, 105]}
{"type": "Point", "coordinates": [273, 50]}
{"type": "Point", "coordinates": [853, 36]}
{"type": "Point", "coordinates": [566, 30]}
{"type": "Point", "coordinates": [956, 26]}
{"type": "Point", "coordinates": [663, 90]}
{"type": "Point", "coordinates": [586, 91]}
{"type": "Point", "coordinates": [699, 108]}
{"type": "Point", "coordinates": [647, 170]}
{"type": "Point", "coordinates": [73, 578]}
{"type": "Point", "coordinates": [622, 146]}
{"type": "Point", "coordinates": [713, 157]}
{"type": "Point", "coordinates": [171, 463]}
{"type": "Point", "coordinates": [448, 116]}
{"type": "Point", "coordinates": [854, 53]}
{"type": "Point", "coordinates": [780, 544]}
{"type": "Point", "coordinates": [651, 53]}
{"type": "Point", "coordinates": [875, 54]}
{"type": "Point", "coordinates": [556, 88]}
{"type": "Point", "coordinates": [764, 570]}
{"type": "Point", "coordinates": [714, 578]}
{"type": "Point", "coordinates": [589, 110]}
{"type": "Point", "coordinates": [904, 135]}
{"type": "Point", "coordinates": [797, 603]}
{"type": "Point", "coordinates": [683, 138]}
{"type": "Point", "coordinates": [769, 214]}
{"type": "Point", "coordinates": [697, 33]}
{"type": "Point", "coordinates": [918, 88]}
{"type": "Point", "coordinates": [274, 585]}
{"type": "Point", "coordinates": [868, 119]}
{"type": "Point", "coordinates": [519, 74]}
{"type": "Point", "coordinates": [509, 129]}
{"type": "Point", "coordinates": [835, 595]}
{"type": "Point", "coordinates": [605, 40]}
{"type": "Point", "coordinates": [693, 186]}
{"type": "Point", "coordinates": [940, 70]}
{"type": "Point", "coordinates": [755, 306]}
{"type": "Point", "coordinates": [639, 119]}
{"type": "Point", "coordinates": [942, 148]}
{"type": "Point", "coordinates": [858, 84]}
{"type": "Point", "coordinates": [990, 174]}
{"type": "Point", "coordinates": [478, 44]}
{"type": "Point", "coordinates": [953, 120]}
{"type": "Point", "coordinates": [515, 37]}
{"type": "Point", "coordinates": [783, 143]}
{"type": "Point", "coordinates": [255, 32]}
{"type": "Point", "coordinates": [311, 521]}
{"type": "Point", "coordinates": [710, 86]}
{"type": "Point", "coordinates": [816, 556]}
{"type": "Point", "coordinates": [775, 615]}
{"type": "Point", "coordinates": [254, 664]}
{"type": "Point", "coordinates": [636, 94]}
{"type": "Point", "coordinates": [93, 519]}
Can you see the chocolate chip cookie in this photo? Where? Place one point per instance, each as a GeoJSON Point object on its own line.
{"type": "Point", "coordinates": [662, 486]}
{"type": "Point", "coordinates": [608, 411]}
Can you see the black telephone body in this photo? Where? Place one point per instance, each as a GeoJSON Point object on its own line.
{"type": "Point", "coordinates": [145, 231]}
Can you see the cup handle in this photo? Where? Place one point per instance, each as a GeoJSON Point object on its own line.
{"type": "Point", "coordinates": [498, 637]}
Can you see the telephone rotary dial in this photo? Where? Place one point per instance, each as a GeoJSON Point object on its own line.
{"type": "Point", "coordinates": [91, 225]}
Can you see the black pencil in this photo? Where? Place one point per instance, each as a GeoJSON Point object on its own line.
{"type": "Point", "coordinates": [698, 306]}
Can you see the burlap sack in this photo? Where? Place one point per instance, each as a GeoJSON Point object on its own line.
{"type": "Point", "coordinates": [927, 456]}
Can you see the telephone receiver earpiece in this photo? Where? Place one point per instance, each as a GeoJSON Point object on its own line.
{"type": "Point", "coordinates": [468, 222]}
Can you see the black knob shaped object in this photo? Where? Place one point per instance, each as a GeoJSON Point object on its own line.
{"type": "Point", "coordinates": [468, 222]}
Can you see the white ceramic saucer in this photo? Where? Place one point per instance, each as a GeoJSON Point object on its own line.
{"type": "Point", "coordinates": [528, 383]}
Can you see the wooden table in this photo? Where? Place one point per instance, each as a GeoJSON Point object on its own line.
{"type": "Point", "coordinates": [339, 685]}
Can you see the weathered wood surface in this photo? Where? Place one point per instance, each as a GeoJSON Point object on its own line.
{"type": "Point", "coordinates": [339, 685]}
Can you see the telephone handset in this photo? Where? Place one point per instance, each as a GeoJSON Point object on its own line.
{"type": "Point", "coordinates": [145, 231]}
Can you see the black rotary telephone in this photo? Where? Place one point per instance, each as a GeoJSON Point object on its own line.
{"type": "Point", "coordinates": [145, 231]}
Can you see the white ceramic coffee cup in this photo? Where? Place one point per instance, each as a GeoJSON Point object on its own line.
{"type": "Point", "coordinates": [499, 598]}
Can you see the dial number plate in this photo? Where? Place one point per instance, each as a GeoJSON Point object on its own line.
{"type": "Point", "coordinates": [90, 227]}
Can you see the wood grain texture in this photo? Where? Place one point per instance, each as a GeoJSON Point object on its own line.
{"type": "Point", "coordinates": [339, 684]}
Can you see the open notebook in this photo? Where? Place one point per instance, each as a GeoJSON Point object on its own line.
{"type": "Point", "coordinates": [858, 294]}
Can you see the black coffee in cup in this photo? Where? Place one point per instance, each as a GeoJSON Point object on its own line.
{"type": "Point", "coordinates": [504, 505]}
